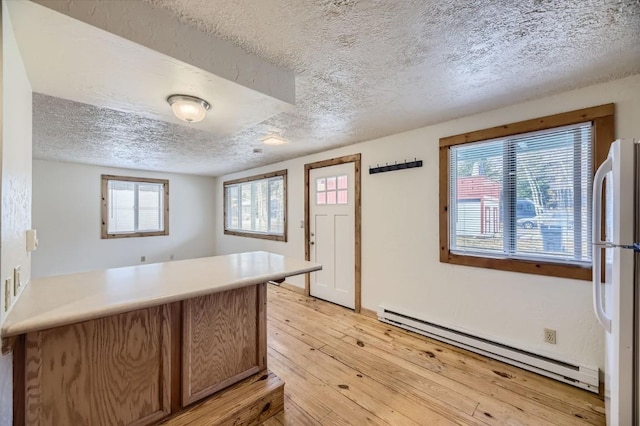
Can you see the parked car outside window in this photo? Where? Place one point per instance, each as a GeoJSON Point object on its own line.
{"type": "Point", "coordinates": [527, 222]}
{"type": "Point", "coordinates": [526, 214]}
{"type": "Point", "coordinates": [556, 219]}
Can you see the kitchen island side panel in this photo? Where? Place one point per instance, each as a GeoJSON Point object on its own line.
{"type": "Point", "coordinates": [112, 370]}
{"type": "Point", "coordinates": [222, 340]}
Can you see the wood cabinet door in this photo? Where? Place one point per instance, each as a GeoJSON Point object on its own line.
{"type": "Point", "coordinates": [108, 371]}
{"type": "Point", "coordinates": [224, 340]}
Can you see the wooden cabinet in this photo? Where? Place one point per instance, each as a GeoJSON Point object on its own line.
{"type": "Point", "coordinates": [222, 340]}
{"type": "Point", "coordinates": [139, 367]}
{"type": "Point", "coordinates": [113, 370]}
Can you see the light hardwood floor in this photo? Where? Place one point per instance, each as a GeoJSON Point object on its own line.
{"type": "Point", "coordinates": [346, 369]}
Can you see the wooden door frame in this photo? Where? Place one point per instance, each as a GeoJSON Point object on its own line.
{"type": "Point", "coordinates": [356, 159]}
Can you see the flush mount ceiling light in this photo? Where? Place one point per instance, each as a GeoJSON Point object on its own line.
{"type": "Point", "coordinates": [272, 140]}
{"type": "Point", "coordinates": [188, 108]}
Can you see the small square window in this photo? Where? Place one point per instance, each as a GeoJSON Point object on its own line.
{"type": "Point", "coordinates": [331, 183]}
{"type": "Point", "coordinates": [342, 182]}
{"type": "Point", "coordinates": [343, 196]}
{"type": "Point", "coordinates": [331, 197]}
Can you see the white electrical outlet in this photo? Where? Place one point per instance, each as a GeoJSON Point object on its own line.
{"type": "Point", "coordinates": [550, 336]}
{"type": "Point", "coordinates": [8, 283]}
{"type": "Point", "coordinates": [17, 280]}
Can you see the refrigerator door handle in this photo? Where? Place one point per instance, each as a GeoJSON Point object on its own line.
{"type": "Point", "coordinates": [596, 238]}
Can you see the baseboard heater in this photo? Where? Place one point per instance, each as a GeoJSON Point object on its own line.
{"type": "Point", "coordinates": [580, 376]}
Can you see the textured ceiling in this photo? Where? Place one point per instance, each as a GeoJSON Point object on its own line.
{"type": "Point", "coordinates": [364, 69]}
{"type": "Point", "coordinates": [71, 131]}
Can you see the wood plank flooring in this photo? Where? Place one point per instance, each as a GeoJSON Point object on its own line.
{"type": "Point", "coordinates": [341, 368]}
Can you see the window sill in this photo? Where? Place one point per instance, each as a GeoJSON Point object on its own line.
{"type": "Point", "coordinates": [135, 234]}
{"type": "Point", "coordinates": [271, 237]}
{"type": "Point", "coordinates": [550, 269]}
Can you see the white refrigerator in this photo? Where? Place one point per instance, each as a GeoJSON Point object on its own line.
{"type": "Point", "coordinates": [616, 298]}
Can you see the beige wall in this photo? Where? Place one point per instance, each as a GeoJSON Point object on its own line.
{"type": "Point", "coordinates": [16, 184]}
{"type": "Point", "coordinates": [400, 241]}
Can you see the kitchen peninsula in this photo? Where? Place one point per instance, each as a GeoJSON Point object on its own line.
{"type": "Point", "coordinates": [136, 345]}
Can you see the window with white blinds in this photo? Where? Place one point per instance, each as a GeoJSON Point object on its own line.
{"type": "Point", "coordinates": [256, 206]}
{"type": "Point", "coordinates": [517, 197]}
{"type": "Point", "coordinates": [134, 206]}
{"type": "Point", "coordinates": [526, 196]}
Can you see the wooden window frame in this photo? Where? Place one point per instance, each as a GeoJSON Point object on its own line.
{"type": "Point", "coordinates": [602, 119]}
{"type": "Point", "coordinates": [251, 234]}
{"type": "Point", "coordinates": [105, 208]}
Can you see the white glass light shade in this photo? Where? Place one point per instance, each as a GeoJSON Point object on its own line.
{"type": "Point", "coordinates": [188, 108]}
{"type": "Point", "coordinates": [271, 140]}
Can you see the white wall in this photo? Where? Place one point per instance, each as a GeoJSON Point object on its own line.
{"type": "Point", "coordinates": [16, 184]}
{"type": "Point", "coordinates": [66, 214]}
{"type": "Point", "coordinates": [16, 158]}
{"type": "Point", "coordinates": [400, 241]}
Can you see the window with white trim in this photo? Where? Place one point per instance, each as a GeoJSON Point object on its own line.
{"type": "Point", "coordinates": [517, 197]}
{"type": "Point", "coordinates": [256, 206]}
{"type": "Point", "coordinates": [134, 207]}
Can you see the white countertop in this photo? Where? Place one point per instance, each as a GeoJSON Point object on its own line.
{"type": "Point", "coordinates": [66, 299]}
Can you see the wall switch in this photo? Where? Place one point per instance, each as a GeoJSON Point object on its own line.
{"type": "Point", "coordinates": [8, 283]}
{"type": "Point", "coordinates": [17, 280]}
{"type": "Point", "coordinates": [550, 336]}
{"type": "Point", "coordinates": [32, 240]}
{"type": "Point", "coordinates": [143, 259]}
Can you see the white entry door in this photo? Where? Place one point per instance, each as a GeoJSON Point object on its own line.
{"type": "Point", "coordinates": [332, 233]}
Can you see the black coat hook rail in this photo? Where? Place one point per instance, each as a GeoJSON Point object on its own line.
{"type": "Point", "coordinates": [391, 167]}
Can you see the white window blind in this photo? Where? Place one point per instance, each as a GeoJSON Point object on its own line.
{"type": "Point", "coordinates": [256, 206]}
{"type": "Point", "coordinates": [135, 207]}
{"type": "Point", "coordinates": [525, 197]}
